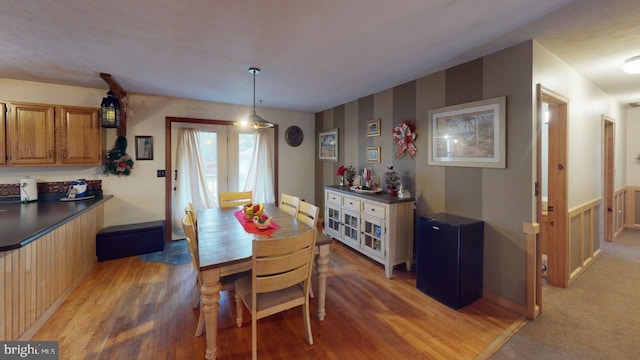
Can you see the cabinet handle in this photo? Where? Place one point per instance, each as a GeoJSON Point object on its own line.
{"type": "Point", "coordinates": [50, 153]}
{"type": "Point", "coordinates": [64, 154]}
{"type": "Point", "coordinates": [373, 210]}
{"type": "Point", "coordinates": [435, 227]}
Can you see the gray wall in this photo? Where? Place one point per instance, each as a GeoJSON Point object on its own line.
{"type": "Point", "coordinates": [500, 197]}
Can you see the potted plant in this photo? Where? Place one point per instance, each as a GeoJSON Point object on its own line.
{"type": "Point", "coordinates": [392, 180]}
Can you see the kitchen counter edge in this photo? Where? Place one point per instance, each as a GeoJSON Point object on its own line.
{"type": "Point", "coordinates": [45, 228]}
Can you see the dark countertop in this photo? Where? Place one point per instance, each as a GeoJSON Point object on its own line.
{"type": "Point", "coordinates": [383, 196]}
{"type": "Point", "coordinates": [22, 223]}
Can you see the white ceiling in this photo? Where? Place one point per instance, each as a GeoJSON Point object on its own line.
{"type": "Point", "coordinates": [313, 54]}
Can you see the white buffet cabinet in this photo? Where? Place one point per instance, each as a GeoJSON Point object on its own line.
{"type": "Point", "coordinates": [377, 225]}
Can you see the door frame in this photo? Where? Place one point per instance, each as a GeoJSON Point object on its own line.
{"type": "Point", "coordinates": [608, 174]}
{"type": "Point", "coordinates": [168, 190]}
{"type": "Point", "coordinates": [554, 223]}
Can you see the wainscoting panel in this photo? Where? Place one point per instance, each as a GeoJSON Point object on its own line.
{"type": "Point", "coordinates": [584, 241]}
{"type": "Point", "coordinates": [619, 211]}
{"type": "Point", "coordinates": [633, 207]}
{"type": "Point", "coordinates": [36, 279]}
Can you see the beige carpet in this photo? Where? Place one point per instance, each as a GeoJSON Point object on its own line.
{"type": "Point", "coordinates": [597, 317]}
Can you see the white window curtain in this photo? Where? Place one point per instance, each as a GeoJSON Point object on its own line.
{"type": "Point", "coordinates": [191, 183]}
{"type": "Point", "coordinates": [260, 176]}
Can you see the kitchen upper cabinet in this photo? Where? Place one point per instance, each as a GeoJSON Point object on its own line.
{"type": "Point", "coordinates": [40, 134]}
{"type": "Point", "coordinates": [79, 141]}
{"type": "Point", "coordinates": [31, 134]}
{"type": "Point", "coordinates": [3, 143]}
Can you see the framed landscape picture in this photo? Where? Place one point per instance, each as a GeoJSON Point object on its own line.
{"type": "Point", "coordinates": [373, 127]}
{"type": "Point", "coordinates": [144, 147]}
{"type": "Point", "coordinates": [328, 145]}
{"type": "Point", "coordinates": [471, 134]}
{"type": "Point", "coordinates": [373, 154]}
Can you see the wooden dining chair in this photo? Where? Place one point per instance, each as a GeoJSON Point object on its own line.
{"type": "Point", "coordinates": [192, 242]}
{"type": "Point", "coordinates": [279, 280]}
{"type": "Point", "coordinates": [289, 204]}
{"type": "Point", "coordinates": [189, 210]}
{"type": "Point", "coordinates": [227, 282]}
{"type": "Point", "coordinates": [308, 214]}
{"type": "Point", "coordinates": [231, 199]}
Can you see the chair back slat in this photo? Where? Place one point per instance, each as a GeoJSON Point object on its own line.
{"type": "Point", "coordinates": [289, 204]}
{"type": "Point", "coordinates": [232, 199]}
{"type": "Point", "coordinates": [308, 214]}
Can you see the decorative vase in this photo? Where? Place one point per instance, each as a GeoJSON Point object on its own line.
{"type": "Point", "coordinates": [341, 182]}
{"type": "Point", "coordinates": [392, 191]}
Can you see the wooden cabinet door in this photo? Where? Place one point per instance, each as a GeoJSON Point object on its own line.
{"type": "Point", "coordinates": [3, 143]}
{"type": "Point", "coordinates": [79, 141]}
{"type": "Point", "coordinates": [31, 134]}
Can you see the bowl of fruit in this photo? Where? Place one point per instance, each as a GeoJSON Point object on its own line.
{"type": "Point", "coordinates": [251, 210]}
{"type": "Point", "coordinates": [262, 221]}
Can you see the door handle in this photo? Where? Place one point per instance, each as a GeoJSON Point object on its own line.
{"type": "Point", "coordinates": [550, 208]}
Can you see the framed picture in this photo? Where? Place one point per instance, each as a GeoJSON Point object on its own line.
{"type": "Point", "coordinates": [144, 147]}
{"type": "Point", "coordinates": [373, 154]}
{"type": "Point", "coordinates": [471, 134]}
{"type": "Point", "coordinates": [328, 145]}
{"type": "Point", "coordinates": [373, 127]}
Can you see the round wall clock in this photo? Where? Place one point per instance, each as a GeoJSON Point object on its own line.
{"type": "Point", "coordinates": [293, 136]}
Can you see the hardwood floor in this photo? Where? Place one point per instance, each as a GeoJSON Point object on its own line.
{"type": "Point", "coordinates": [131, 309]}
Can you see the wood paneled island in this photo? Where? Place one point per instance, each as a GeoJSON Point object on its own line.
{"type": "Point", "coordinates": [46, 248]}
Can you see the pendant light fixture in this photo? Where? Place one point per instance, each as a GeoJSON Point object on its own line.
{"type": "Point", "coordinates": [254, 120]}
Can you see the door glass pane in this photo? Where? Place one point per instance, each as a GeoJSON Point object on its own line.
{"type": "Point", "coordinates": [245, 152]}
{"type": "Point", "coordinates": [209, 152]}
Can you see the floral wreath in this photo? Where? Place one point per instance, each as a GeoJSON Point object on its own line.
{"type": "Point", "coordinates": [404, 136]}
{"type": "Point", "coordinates": [118, 162]}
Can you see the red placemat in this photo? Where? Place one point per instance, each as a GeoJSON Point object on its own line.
{"type": "Point", "coordinates": [252, 228]}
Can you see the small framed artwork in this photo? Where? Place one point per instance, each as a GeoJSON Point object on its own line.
{"type": "Point", "coordinates": [328, 145]}
{"type": "Point", "coordinates": [471, 134]}
{"type": "Point", "coordinates": [373, 127]}
{"type": "Point", "coordinates": [144, 147]}
{"type": "Point", "coordinates": [373, 154]}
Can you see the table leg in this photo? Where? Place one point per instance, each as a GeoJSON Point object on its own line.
{"type": "Point", "coordinates": [210, 293]}
{"type": "Point", "coordinates": [322, 264]}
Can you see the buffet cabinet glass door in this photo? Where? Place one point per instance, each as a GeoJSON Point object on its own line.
{"type": "Point", "coordinates": [373, 236]}
{"type": "Point", "coordinates": [350, 227]}
{"type": "Point", "coordinates": [332, 224]}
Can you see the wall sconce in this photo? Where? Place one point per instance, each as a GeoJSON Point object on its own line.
{"type": "Point", "coordinates": [110, 111]}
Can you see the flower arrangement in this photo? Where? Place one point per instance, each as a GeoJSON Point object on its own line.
{"type": "Point", "coordinates": [347, 174]}
{"type": "Point", "coordinates": [392, 179]}
{"type": "Point", "coordinates": [118, 162]}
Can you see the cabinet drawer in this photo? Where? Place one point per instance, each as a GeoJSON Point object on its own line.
{"type": "Point", "coordinates": [373, 209]}
{"type": "Point", "coordinates": [351, 203]}
{"type": "Point", "coordinates": [334, 198]}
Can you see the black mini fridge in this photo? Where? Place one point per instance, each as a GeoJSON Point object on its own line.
{"type": "Point", "coordinates": [449, 258]}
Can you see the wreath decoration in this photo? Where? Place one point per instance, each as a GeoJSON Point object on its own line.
{"type": "Point", "coordinates": [404, 135]}
{"type": "Point", "coordinates": [118, 162]}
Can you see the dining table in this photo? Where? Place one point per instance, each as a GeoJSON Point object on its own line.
{"type": "Point", "coordinates": [225, 245]}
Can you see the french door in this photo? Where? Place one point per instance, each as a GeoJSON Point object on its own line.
{"type": "Point", "coordinates": [225, 153]}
